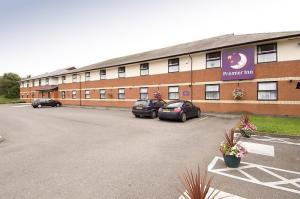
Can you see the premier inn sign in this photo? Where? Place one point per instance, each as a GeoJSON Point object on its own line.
{"type": "Point", "coordinates": [238, 64]}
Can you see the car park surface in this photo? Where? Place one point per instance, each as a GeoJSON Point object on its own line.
{"type": "Point", "coordinates": [97, 153]}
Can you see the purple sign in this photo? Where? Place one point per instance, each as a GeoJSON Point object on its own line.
{"type": "Point", "coordinates": [186, 93]}
{"type": "Point", "coordinates": [238, 64]}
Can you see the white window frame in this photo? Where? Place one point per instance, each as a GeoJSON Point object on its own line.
{"type": "Point", "coordinates": [267, 92]}
{"type": "Point", "coordinates": [121, 72]}
{"type": "Point", "coordinates": [213, 60]}
{"type": "Point", "coordinates": [47, 80]}
{"type": "Point", "coordinates": [63, 94]}
{"type": "Point", "coordinates": [212, 91]}
{"type": "Point", "coordinates": [74, 94]}
{"type": "Point", "coordinates": [102, 94]}
{"type": "Point", "coordinates": [144, 69]}
{"type": "Point", "coordinates": [102, 74]}
{"type": "Point", "coordinates": [74, 78]}
{"type": "Point", "coordinates": [262, 56]}
{"type": "Point", "coordinates": [173, 65]}
{"type": "Point", "coordinates": [144, 93]}
{"type": "Point", "coordinates": [63, 79]}
{"type": "Point", "coordinates": [87, 76]}
{"type": "Point", "coordinates": [121, 92]}
{"type": "Point", "coordinates": [170, 92]}
{"type": "Point", "coordinates": [87, 94]}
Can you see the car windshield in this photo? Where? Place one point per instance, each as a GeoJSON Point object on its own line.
{"type": "Point", "coordinates": [174, 105]}
{"type": "Point", "coordinates": [141, 103]}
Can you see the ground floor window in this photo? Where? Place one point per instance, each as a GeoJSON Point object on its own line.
{"type": "Point", "coordinates": [102, 93]}
{"type": "Point", "coordinates": [74, 93]}
{"type": "Point", "coordinates": [121, 93]}
{"type": "Point", "coordinates": [87, 94]}
{"type": "Point", "coordinates": [173, 92]}
{"type": "Point", "coordinates": [63, 94]}
{"type": "Point", "coordinates": [144, 93]}
{"type": "Point", "coordinates": [212, 92]}
{"type": "Point", "coordinates": [267, 91]}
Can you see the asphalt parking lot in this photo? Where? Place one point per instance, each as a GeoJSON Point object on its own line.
{"type": "Point", "coordinates": [93, 153]}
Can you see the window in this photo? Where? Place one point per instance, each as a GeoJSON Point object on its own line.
{"type": "Point", "coordinates": [173, 92]}
{"type": "Point", "coordinates": [213, 60]}
{"type": "Point", "coordinates": [121, 93]}
{"type": "Point", "coordinates": [173, 65]}
{"type": "Point", "coordinates": [121, 71]}
{"type": "Point", "coordinates": [63, 79]}
{"type": "Point", "coordinates": [22, 96]}
{"type": "Point", "coordinates": [87, 76]}
{"type": "Point", "coordinates": [33, 83]}
{"type": "Point", "coordinates": [40, 82]}
{"type": "Point", "coordinates": [102, 74]}
{"type": "Point", "coordinates": [74, 94]}
{"type": "Point", "coordinates": [47, 81]}
{"type": "Point", "coordinates": [144, 93]}
{"type": "Point", "coordinates": [63, 94]}
{"type": "Point", "coordinates": [144, 69]}
{"type": "Point", "coordinates": [267, 53]}
{"type": "Point", "coordinates": [212, 92]}
{"type": "Point", "coordinates": [27, 83]}
{"type": "Point", "coordinates": [74, 78]}
{"type": "Point", "coordinates": [32, 95]}
{"type": "Point", "coordinates": [267, 91]}
{"type": "Point", "coordinates": [87, 94]}
{"type": "Point", "coordinates": [102, 93]}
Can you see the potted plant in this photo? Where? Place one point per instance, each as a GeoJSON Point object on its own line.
{"type": "Point", "coordinates": [246, 127]}
{"type": "Point", "coordinates": [238, 94]}
{"type": "Point", "coordinates": [231, 150]}
{"type": "Point", "coordinates": [197, 186]}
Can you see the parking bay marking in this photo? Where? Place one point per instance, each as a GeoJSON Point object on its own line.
{"type": "Point", "coordinates": [261, 149]}
{"type": "Point", "coordinates": [21, 106]}
{"type": "Point", "coordinates": [217, 194]}
{"type": "Point", "coordinates": [275, 140]}
{"type": "Point", "coordinates": [267, 171]}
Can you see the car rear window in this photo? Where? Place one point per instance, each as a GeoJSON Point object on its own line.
{"type": "Point", "coordinates": [174, 105]}
{"type": "Point", "coordinates": [141, 103]}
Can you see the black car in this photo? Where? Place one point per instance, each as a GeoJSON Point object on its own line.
{"type": "Point", "coordinates": [147, 107]}
{"type": "Point", "coordinates": [38, 103]}
{"type": "Point", "coordinates": [179, 110]}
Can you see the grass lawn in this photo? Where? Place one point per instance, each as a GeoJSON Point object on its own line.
{"type": "Point", "coordinates": [277, 125]}
{"type": "Point", "coordinates": [4, 100]}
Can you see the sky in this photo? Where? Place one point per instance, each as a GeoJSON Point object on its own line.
{"type": "Point", "coordinates": [38, 36]}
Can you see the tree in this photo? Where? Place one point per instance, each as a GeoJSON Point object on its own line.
{"type": "Point", "coordinates": [9, 85]}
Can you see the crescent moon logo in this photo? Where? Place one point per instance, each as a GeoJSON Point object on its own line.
{"type": "Point", "coordinates": [241, 63]}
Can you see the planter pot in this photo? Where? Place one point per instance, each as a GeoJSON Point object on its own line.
{"type": "Point", "coordinates": [231, 161]}
{"type": "Point", "coordinates": [245, 133]}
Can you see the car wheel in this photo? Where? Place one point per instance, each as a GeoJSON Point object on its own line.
{"type": "Point", "coordinates": [160, 118]}
{"type": "Point", "coordinates": [183, 117]}
{"type": "Point", "coordinates": [198, 113]}
{"type": "Point", "coordinates": [137, 116]}
{"type": "Point", "coordinates": [153, 114]}
{"type": "Point", "coordinates": [57, 105]}
{"type": "Point", "coordinates": [39, 106]}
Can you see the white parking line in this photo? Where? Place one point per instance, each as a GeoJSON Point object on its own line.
{"type": "Point", "coordinates": [261, 149]}
{"type": "Point", "coordinates": [275, 140]}
{"type": "Point", "coordinates": [203, 118]}
{"type": "Point", "coordinates": [21, 106]}
{"type": "Point", "coordinates": [281, 180]}
{"type": "Point", "coordinates": [216, 195]}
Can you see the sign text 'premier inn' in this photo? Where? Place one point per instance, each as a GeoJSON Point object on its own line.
{"type": "Point", "coordinates": [238, 64]}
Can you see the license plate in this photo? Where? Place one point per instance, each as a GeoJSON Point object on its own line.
{"type": "Point", "coordinates": [166, 110]}
{"type": "Point", "coordinates": [139, 108]}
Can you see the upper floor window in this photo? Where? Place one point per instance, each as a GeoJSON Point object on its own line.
{"type": "Point", "coordinates": [87, 94]}
{"type": "Point", "coordinates": [102, 93]}
{"type": "Point", "coordinates": [267, 53]}
{"type": "Point", "coordinates": [213, 60]}
{"type": "Point", "coordinates": [27, 83]}
{"type": "Point", "coordinates": [173, 65]}
{"type": "Point", "coordinates": [121, 71]}
{"type": "Point", "coordinates": [87, 76]}
{"type": "Point", "coordinates": [74, 94]}
{"type": "Point", "coordinates": [40, 82]}
{"type": "Point", "coordinates": [144, 93]}
{"type": "Point", "coordinates": [63, 79]}
{"type": "Point", "coordinates": [121, 93]}
{"type": "Point", "coordinates": [144, 69]}
{"type": "Point", "coordinates": [173, 92]}
{"type": "Point", "coordinates": [33, 83]}
{"type": "Point", "coordinates": [103, 74]}
{"type": "Point", "coordinates": [47, 81]}
{"type": "Point", "coordinates": [212, 92]}
{"type": "Point", "coordinates": [267, 91]}
{"type": "Point", "coordinates": [63, 94]}
{"type": "Point", "coordinates": [74, 78]}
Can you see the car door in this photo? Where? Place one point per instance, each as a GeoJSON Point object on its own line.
{"type": "Point", "coordinates": [188, 109]}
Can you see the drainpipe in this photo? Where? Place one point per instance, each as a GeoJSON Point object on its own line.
{"type": "Point", "coordinates": [191, 85]}
{"type": "Point", "coordinates": [79, 89]}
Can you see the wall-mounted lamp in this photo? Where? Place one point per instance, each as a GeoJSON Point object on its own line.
{"type": "Point", "coordinates": [290, 80]}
